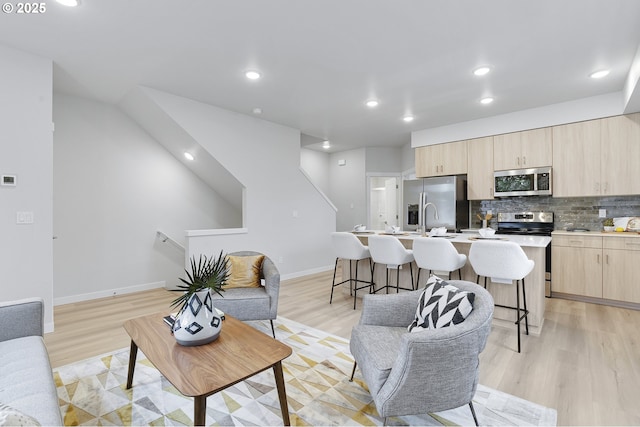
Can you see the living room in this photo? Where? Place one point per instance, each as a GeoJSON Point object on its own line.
{"type": "Point", "coordinates": [103, 184]}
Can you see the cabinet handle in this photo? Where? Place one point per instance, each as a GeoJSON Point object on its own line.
{"type": "Point", "coordinates": [576, 242]}
{"type": "Point", "coordinates": [607, 259]}
{"type": "Point", "coordinates": [632, 244]}
{"type": "Point", "coordinates": [606, 187]}
{"type": "Point", "coordinates": [524, 160]}
{"type": "Point", "coordinates": [598, 258]}
{"type": "Point", "coordinates": [518, 160]}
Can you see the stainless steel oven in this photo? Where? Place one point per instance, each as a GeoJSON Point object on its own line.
{"type": "Point", "coordinates": [530, 224]}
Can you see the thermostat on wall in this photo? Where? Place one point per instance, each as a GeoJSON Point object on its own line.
{"type": "Point", "coordinates": [9, 180]}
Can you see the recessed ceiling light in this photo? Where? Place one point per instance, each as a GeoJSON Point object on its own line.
{"type": "Point", "coordinates": [487, 100]}
{"type": "Point", "coordinates": [481, 71]}
{"type": "Point", "coordinates": [257, 111]}
{"type": "Point", "coordinates": [408, 118]}
{"type": "Point", "coordinates": [252, 75]}
{"type": "Point", "coordinates": [599, 74]}
{"type": "Point", "coordinates": [188, 156]}
{"type": "Point", "coordinates": [372, 103]}
{"type": "Point", "coordinates": [326, 145]}
{"type": "Point", "coordinates": [71, 3]}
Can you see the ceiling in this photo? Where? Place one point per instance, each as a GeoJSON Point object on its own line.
{"type": "Point", "coordinates": [321, 60]}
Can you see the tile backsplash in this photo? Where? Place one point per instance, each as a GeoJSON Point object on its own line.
{"type": "Point", "coordinates": [580, 212]}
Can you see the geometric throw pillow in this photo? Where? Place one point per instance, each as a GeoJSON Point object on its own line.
{"type": "Point", "coordinates": [12, 417]}
{"type": "Point", "coordinates": [244, 271]}
{"type": "Point", "coordinates": [441, 304]}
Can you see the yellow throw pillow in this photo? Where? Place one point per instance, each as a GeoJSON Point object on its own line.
{"type": "Point", "coordinates": [244, 271]}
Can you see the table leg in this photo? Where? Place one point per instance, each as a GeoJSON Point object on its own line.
{"type": "Point", "coordinates": [133, 352]}
{"type": "Point", "coordinates": [282, 394]}
{"type": "Point", "coordinates": [199, 410]}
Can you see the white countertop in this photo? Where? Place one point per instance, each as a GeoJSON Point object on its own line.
{"type": "Point", "coordinates": [525, 241]}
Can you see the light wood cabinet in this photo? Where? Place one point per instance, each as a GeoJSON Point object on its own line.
{"type": "Point", "coordinates": [597, 157]}
{"type": "Point", "coordinates": [621, 257]}
{"type": "Point", "coordinates": [620, 171]}
{"type": "Point", "coordinates": [480, 169]}
{"type": "Point", "coordinates": [520, 150]}
{"type": "Point", "coordinates": [576, 159]}
{"type": "Point", "coordinates": [441, 159]}
{"type": "Point", "coordinates": [577, 265]}
{"type": "Point", "coordinates": [603, 267]}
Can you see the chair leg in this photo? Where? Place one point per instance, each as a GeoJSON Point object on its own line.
{"type": "Point", "coordinates": [333, 284]}
{"type": "Point", "coordinates": [355, 364]}
{"type": "Point", "coordinates": [411, 271]}
{"type": "Point", "coordinates": [418, 279]}
{"type": "Point", "coordinates": [473, 412]}
{"type": "Point", "coordinates": [518, 311]}
{"type": "Point", "coordinates": [460, 273]}
{"type": "Point", "coordinates": [355, 288]}
{"type": "Point", "coordinates": [398, 280]}
{"type": "Point", "coordinates": [526, 315]}
{"type": "Point", "coordinates": [351, 277]}
{"type": "Point", "coordinates": [373, 267]}
{"type": "Point", "coordinates": [273, 330]}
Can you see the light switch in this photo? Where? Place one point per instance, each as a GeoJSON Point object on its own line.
{"type": "Point", "coordinates": [602, 213]}
{"type": "Point", "coordinates": [24, 217]}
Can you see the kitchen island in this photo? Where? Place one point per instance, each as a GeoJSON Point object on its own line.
{"type": "Point", "coordinates": [533, 246]}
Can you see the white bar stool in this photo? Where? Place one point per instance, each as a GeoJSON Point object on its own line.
{"type": "Point", "coordinates": [437, 254]}
{"type": "Point", "coordinates": [503, 262]}
{"type": "Point", "coordinates": [348, 247]}
{"type": "Point", "coordinates": [389, 250]}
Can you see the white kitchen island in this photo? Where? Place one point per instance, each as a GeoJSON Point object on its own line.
{"type": "Point", "coordinates": [533, 246]}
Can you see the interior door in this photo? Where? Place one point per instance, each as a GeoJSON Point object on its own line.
{"type": "Point", "coordinates": [384, 202]}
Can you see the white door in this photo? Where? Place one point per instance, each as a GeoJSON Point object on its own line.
{"type": "Point", "coordinates": [383, 201]}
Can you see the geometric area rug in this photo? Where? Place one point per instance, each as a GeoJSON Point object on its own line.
{"type": "Point", "coordinates": [92, 392]}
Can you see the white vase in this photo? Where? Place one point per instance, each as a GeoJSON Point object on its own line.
{"type": "Point", "coordinates": [198, 323]}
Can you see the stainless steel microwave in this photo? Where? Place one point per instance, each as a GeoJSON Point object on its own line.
{"type": "Point", "coordinates": [522, 182]}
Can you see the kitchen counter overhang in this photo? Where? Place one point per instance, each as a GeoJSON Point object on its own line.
{"type": "Point", "coordinates": [533, 246]}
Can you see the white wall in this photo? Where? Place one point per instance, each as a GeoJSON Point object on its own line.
{"type": "Point", "coordinates": [607, 105]}
{"type": "Point", "coordinates": [349, 188]}
{"type": "Point", "coordinates": [26, 268]}
{"type": "Point", "coordinates": [316, 166]}
{"type": "Point", "coordinates": [114, 187]}
{"type": "Point", "coordinates": [286, 217]}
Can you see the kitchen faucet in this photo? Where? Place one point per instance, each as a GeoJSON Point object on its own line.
{"type": "Point", "coordinates": [435, 213]}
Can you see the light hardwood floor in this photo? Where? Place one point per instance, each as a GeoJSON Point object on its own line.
{"type": "Point", "coordinates": [585, 364]}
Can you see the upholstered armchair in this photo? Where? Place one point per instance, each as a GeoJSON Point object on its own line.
{"type": "Point", "coordinates": [419, 372]}
{"type": "Point", "coordinates": [246, 301]}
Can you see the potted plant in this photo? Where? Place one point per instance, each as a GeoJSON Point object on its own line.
{"type": "Point", "coordinates": [608, 224]}
{"type": "Point", "coordinates": [198, 321]}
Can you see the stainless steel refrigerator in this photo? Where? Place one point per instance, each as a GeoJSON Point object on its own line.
{"type": "Point", "coordinates": [447, 195]}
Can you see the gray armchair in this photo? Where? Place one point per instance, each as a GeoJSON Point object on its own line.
{"type": "Point", "coordinates": [253, 303]}
{"type": "Point", "coordinates": [411, 373]}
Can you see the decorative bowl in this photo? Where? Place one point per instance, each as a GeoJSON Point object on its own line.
{"type": "Point", "coordinates": [487, 232]}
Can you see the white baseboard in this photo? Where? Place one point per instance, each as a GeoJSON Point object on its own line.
{"type": "Point", "coordinates": [107, 293]}
{"type": "Point", "coordinates": [306, 272]}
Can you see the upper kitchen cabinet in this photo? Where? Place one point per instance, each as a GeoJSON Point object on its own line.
{"type": "Point", "coordinates": [480, 169]}
{"type": "Point", "coordinates": [441, 159]}
{"type": "Point", "coordinates": [597, 157]}
{"type": "Point", "coordinates": [576, 159]}
{"type": "Point", "coordinates": [520, 150]}
{"type": "Point", "coordinates": [620, 147]}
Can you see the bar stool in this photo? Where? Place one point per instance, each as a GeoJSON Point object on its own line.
{"type": "Point", "coordinates": [503, 262]}
{"type": "Point", "coordinates": [388, 250]}
{"type": "Point", "coordinates": [348, 247]}
{"type": "Point", "coordinates": [439, 254]}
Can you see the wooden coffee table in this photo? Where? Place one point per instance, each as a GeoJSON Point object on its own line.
{"type": "Point", "coordinates": [239, 353]}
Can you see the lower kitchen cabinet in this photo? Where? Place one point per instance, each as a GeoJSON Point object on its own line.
{"type": "Point", "coordinates": [596, 266]}
{"type": "Point", "coordinates": [577, 265]}
{"type": "Point", "coordinates": [621, 258]}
